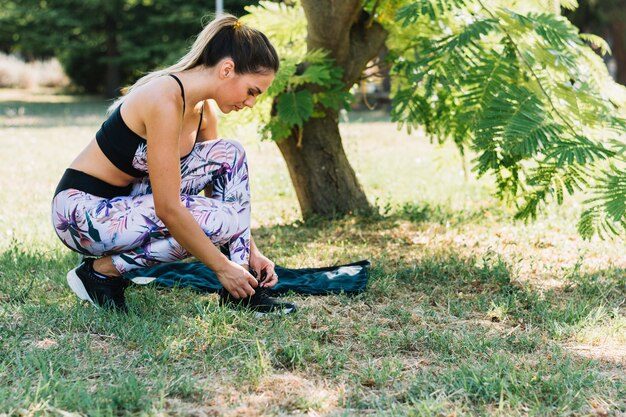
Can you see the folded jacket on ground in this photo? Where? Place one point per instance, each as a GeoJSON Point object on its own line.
{"type": "Point", "coordinates": [348, 278]}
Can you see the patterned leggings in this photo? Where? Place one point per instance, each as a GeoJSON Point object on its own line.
{"type": "Point", "coordinates": [128, 229]}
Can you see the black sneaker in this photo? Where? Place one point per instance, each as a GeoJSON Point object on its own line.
{"type": "Point", "coordinates": [107, 293]}
{"type": "Point", "coordinates": [261, 302]}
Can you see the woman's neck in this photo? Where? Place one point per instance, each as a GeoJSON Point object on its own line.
{"type": "Point", "coordinates": [199, 83]}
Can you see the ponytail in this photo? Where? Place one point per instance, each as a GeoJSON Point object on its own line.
{"type": "Point", "coordinates": [223, 37]}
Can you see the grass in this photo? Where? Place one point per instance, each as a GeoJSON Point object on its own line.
{"type": "Point", "coordinates": [467, 312]}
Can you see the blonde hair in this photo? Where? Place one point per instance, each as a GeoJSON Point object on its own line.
{"type": "Point", "coordinates": [250, 49]}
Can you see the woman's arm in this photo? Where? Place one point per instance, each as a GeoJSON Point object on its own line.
{"type": "Point", "coordinates": [209, 122]}
{"type": "Point", "coordinates": [257, 260]}
{"type": "Point", "coordinates": [253, 247]}
{"type": "Point", "coordinates": [209, 132]}
{"type": "Point", "coordinates": [163, 123]}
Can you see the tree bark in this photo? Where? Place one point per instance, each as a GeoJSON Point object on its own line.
{"type": "Point", "coordinates": [323, 178]}
{"type": "Point", "coordinates": [325, 183]}
{"type": "Point", "coordinates": [617, 28]}
{"type": "Point", "coordinates": [606, 19]}
{"type": "Point", "coordinates": [112, 79]}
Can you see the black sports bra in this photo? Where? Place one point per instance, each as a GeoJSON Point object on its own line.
{"type": "Point", "coordinates": [119, 143]}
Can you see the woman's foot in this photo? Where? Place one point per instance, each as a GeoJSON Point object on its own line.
{"type": "Point", "coordinates": [106, 267]}
{"type": "Point", "coordinates": [100, 290]}
{"type": "Point", "coordinates": [261, 302]}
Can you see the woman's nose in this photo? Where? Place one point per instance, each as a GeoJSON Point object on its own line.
{"type": "Point", "coordinates": [249, 102]}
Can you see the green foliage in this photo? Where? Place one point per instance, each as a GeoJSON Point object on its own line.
{"type": "Point", "coordinates": [295, 107]}
{"type": "Point", "coordinates": [124, 37]}
{"type": "Point", "coordinates": [308, 84]}
{"type": "Point", "coordinates": [597, 42]}
{"type": "Point", "coordinates": [515, 83]}
{"type": "Point", "coordinates": [431, 8]}
{"type": "Point", "coordinates": [606, 214]}
{"type": "Point", "coordinates": [512, 81]}
{"type": "Point", "coordinates": [522, 89]}
{"type": "Point", "coordinates": [22, 31]}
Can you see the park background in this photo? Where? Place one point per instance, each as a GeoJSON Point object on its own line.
{"type": "Point", "coordinates": [468, 311]}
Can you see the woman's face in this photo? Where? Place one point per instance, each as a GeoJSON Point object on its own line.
{"type": "Point", "coordinates": [241, 90]}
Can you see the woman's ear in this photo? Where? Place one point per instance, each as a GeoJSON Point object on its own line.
{"type": "Point", "coordinates": [227, 68]}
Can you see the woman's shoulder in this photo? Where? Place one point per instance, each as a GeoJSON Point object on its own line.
{"type": "Point", "coordinates": [158, 96]}
{"type": "Point", "coordinates": [159, 90]}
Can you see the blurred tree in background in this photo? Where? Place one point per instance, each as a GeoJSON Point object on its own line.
{"type": "Point", "coordinates": [512, 82]}
{"type": "Point", "coordinates": [605, 18]}
{"type": "Point", "coordinates": [104, 44]}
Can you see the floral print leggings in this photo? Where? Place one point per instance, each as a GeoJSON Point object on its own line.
{"type": "Point", "coordinates": [128, 228]}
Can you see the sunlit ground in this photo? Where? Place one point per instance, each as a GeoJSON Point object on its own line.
{"type": "Point", "coordinates": [467, 311]}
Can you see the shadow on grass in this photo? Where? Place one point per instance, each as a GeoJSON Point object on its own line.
{"type": "Point", "coordinates": [464, 285]}
{"type": "Point", "coordinates": [382, 218]}
{"type": "Point", "coordinates": [486, 340]}
{"type": "Point", "coordinates": [82, 112]}
{"type": "Point", "coordinates": [444, 215]}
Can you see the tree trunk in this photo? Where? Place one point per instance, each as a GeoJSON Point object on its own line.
{"type": "Point", "coordinates": [325, 182]}
{"type": "Point", "coordinates": [617, 28]}
{"type": "Point", "coordinates": [112, 79]}
{"type": "Point", "coordinates": [606, 19]}
{"type": "Point", "coordinates": [323, 178]}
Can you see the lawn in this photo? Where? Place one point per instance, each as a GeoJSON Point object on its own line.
{"type": "Point", "coordinates": [467, 311]}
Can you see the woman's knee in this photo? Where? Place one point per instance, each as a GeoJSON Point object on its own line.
{"type": "Point", "coordinates": [218, 223]}
{"type": "Point", "coordinates": [237, 145]}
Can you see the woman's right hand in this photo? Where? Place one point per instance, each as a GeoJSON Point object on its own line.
{"type": "Point", "coordinates": [237, 280]}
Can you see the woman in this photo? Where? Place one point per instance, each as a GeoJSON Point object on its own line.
{"type": "Point", "coordinates": [130, 197]}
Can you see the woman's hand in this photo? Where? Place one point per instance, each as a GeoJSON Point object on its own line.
{"type": "Point", "coordinates": [237, 281]}
{"type": "Point", "coordinates": [263, 267]}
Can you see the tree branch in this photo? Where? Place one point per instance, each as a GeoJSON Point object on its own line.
{"type": "Point", "coordinates": [329, 23]}
{"type": "Point", "coordinates": [365, 44]}
{"type": "Point", "coordinates": [347, 31]}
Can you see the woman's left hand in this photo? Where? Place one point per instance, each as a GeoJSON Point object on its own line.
{"type": "Point", "coordinates": [262, 265]}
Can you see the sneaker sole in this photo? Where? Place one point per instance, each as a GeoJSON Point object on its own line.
{"type": "Point", "coordinates": [77, 286]}
{"type": "Point", "coordinates": [287, 310]}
